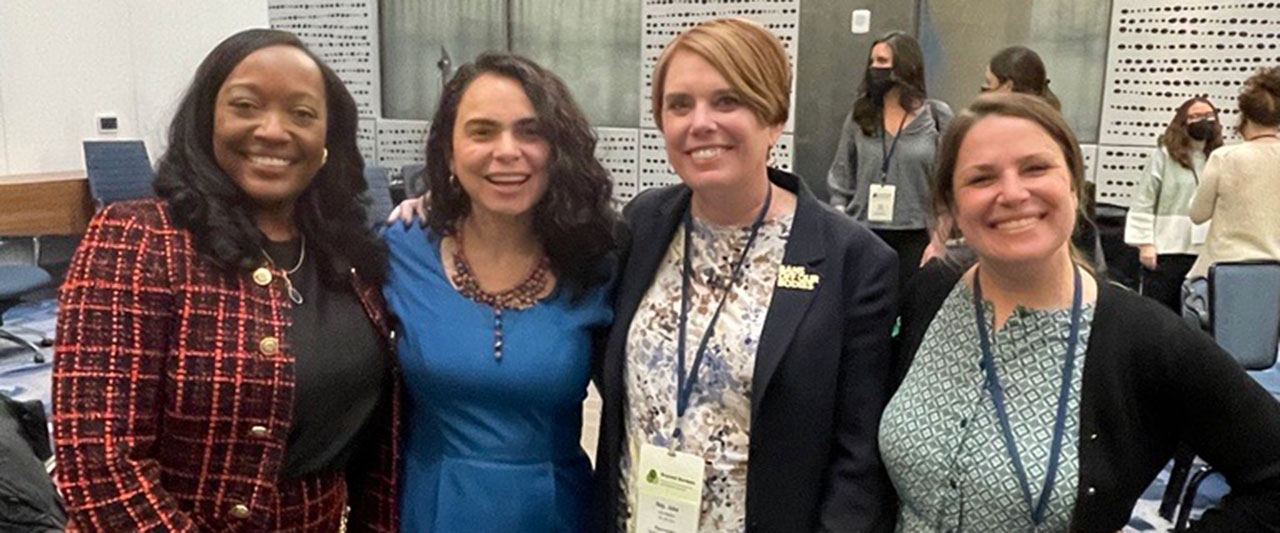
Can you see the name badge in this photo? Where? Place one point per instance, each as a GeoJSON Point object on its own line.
{"type": "Point", "coordinates": [670, 494]}
{"type": "Point", "coordinates": [795, 277]}
{"type": "Point", "coordinates": [1200, 233]}
{"type": "Point", "coordinates": [880, 208]}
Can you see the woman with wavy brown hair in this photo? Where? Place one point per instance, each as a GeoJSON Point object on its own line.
{"type": "Point", "coordinates": [499, 299]}
{"type": "Point", "coordinates": [1159, 223]}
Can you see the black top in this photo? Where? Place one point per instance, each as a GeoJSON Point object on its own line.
{"type": "Point", "coordinates": [821, 374]}
{"type": "Point", "coordinates": [338, 364]}
{"type": "Point", "coordinates": [1150, 382]}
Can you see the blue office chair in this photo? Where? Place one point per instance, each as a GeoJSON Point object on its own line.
{"type": "Point", "coordinates": [118, 170]}
{"type": "Point", "coordinates": [379, 193]}
{"type": "Point", "coordinates": [17, 281]}
{"type": "Point", "coordinates": [415, 179]}
{"type": "Point", "coordinates": [1240, 307]}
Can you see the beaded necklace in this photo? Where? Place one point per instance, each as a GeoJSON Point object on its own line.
{"type": "Point", "coordinates": [523, 296]}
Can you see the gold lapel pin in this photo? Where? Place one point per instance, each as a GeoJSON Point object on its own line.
{"type": "Point", "coordinates": [796, 277]}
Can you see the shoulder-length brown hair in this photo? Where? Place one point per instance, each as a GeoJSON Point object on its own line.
{"type": "Point", "coordinates": [1015, 105]}
{"type": "Point", "coordinates": [1177, 142]}
{"type": "Point", "coordinates": [908, 75]}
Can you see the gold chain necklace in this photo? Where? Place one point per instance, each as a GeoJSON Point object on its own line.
{"type": "Point", "coordinates": [523, 296]}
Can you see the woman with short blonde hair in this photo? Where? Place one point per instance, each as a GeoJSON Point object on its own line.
{"type": "Point", "coordinates": [751, 331]}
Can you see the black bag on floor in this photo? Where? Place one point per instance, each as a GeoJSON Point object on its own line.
{"type": "Point", "coordinates": [28, 500]}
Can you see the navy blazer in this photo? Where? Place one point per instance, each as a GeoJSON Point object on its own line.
{"type": "Point", "coordinates": [821, 378]}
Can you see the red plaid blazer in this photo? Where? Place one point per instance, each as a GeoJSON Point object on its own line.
{"type": "Point", "coordinates": [173, 394]}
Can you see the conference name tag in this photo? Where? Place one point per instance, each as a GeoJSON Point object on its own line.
{"type": "Point", "coordinates": [880, 209]}
{"type": "Point", "coordinates": [670, 494]}
{"type": "Point", "coordinates": [1200, 233]}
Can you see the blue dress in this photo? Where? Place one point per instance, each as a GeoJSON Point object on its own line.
{"type": "Point", "coordinates": [490, 445]}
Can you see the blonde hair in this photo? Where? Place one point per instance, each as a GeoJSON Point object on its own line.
{"type": "Point", "coordinates": [749, 57]}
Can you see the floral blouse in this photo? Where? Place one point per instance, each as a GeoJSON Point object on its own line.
{"type": "Point", "coordinates": [717, 422]}
{"type": "Point", "coordinates": [941, 440]}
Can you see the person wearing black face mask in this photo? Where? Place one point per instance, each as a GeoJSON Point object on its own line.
{"type": "Point", "coordinates": [1159, 223]}
{"type": "Point", "coordinates": [880, 172]}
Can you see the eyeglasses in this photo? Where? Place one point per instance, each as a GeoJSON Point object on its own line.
{"type": "Point", "coordinates": [1210, 117]}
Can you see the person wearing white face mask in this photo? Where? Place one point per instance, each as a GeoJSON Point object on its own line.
{"type": "Point", "coordinates": [1159, 222]}
{"type": "Point", "coordinates": [880, 172]}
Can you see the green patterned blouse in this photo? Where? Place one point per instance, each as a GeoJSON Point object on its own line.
{"type": "Point", "coordinates": [940, 437]}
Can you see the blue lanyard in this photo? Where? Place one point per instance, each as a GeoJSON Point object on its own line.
{"type": "Point", "coordinates": [684, 387]}
{"type": "Point", "coordinates": [997, 397]}
{"type": "Point", "coordinates": [886, 154]}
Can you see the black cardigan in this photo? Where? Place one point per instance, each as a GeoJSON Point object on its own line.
{"type": "Point", "coordinates": [821, 376]}
{"type": "Point", "coordinates": [1150, 381]}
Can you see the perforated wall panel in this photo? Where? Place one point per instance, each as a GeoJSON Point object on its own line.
{"type": "Point", "coordinates": [401, 142]}
{"type": "Point", "coordinates": [1163, 52]}
{"type": "Point", "coordinates": [345, 35]}
{"type": "Point", "coordinates": [367, 140]}
{"type": "Point", "coordinates": [665, 19]}
{"type": "Point", "coordinates": [1090, 153]}
{"type": "Point", "coordinates": [618, 150]}
{"type": "Point", "coordinates": [1118, 171]}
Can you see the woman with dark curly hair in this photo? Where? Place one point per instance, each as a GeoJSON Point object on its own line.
{"type": "Point", "coordinates": [499, 300]}
{"type": "Point", "coordinates": [1159, 222]}
{"type": "Point", "coordinates": [222, 360]}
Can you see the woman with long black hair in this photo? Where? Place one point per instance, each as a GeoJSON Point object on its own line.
{"type": "Point", "coordinates": [222, 360]}
{"type": "Point", "coordinates": [880, 172]}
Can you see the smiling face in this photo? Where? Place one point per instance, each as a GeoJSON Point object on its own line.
{"type": "Point", "coordinates": [713, 139]}
{"type": "Point", "coordinates": [269, 126]}
{"type": "Point", "coordinates": [1013, 199]}
{"type": "Point", "coordinates": [499, 153]}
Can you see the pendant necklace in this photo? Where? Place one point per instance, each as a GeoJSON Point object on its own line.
{"type": "Point", "coordinates": [294, 294]}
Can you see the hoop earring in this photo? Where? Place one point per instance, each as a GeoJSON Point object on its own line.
{"type": "Point", "coordinates": [324, 157]}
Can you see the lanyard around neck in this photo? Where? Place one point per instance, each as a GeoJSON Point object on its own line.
{"type": "Point", "coordinates": [886, 153]}
{"type": "Point", "coordinates": [994, 387]}
{"type": "Point", "coordinates": [684, 387]}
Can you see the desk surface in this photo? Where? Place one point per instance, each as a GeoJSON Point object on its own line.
{"type": "Point", "coordinates": [41, 177]}
{"type": "Point", "coordinates": [44, 203]}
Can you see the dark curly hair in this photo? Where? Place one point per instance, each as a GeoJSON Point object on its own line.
{"type": "Point", "coordinates": [1177, 141]}
{"type": "Point", "coordinates": [1259, 100]}
{"type": "Point", "coordinates": [573, 220]}
{"type": "Point", "coordinates": [908, 75]}
{"type": "Point", "coordinates": [205, 201]}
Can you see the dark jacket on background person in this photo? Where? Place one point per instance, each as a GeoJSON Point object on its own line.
{"type": "Point", "coordinates": [821, 371]}
{"type": "Point", "coordinates": [1150, 382]}
{"type": "Point", "coordinates": [28, 500]}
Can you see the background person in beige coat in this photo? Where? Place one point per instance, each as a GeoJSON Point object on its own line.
{"type": "Point", "coordinates": [1240, 189]}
